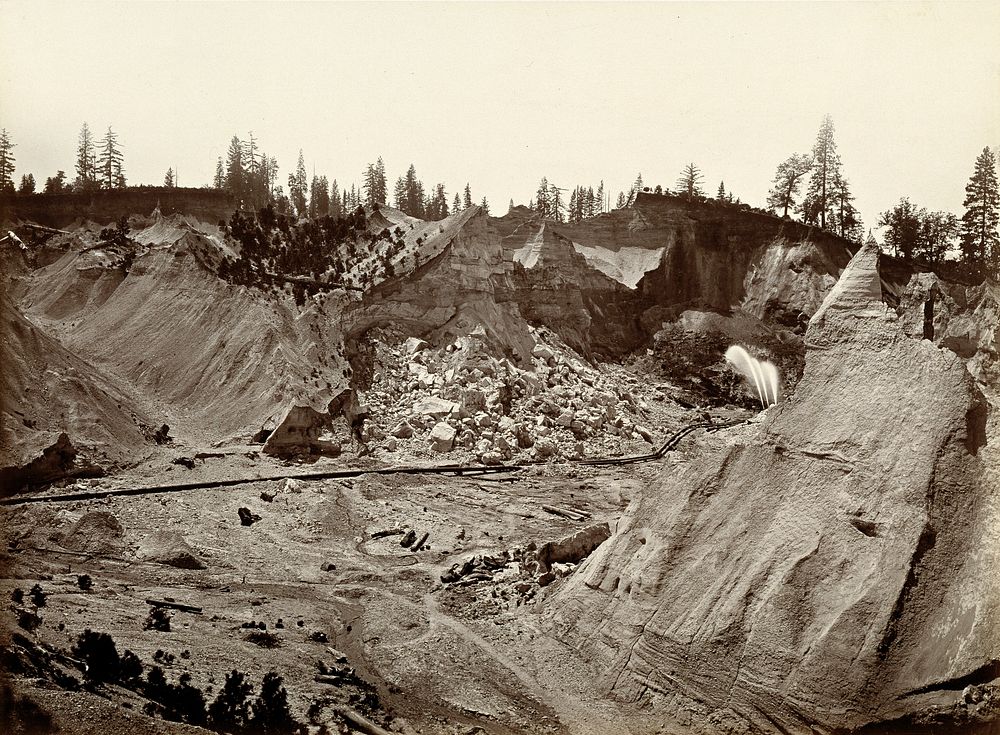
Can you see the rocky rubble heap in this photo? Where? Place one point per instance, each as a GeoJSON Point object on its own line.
{"type": "Point", "coordinates": [461, 398]}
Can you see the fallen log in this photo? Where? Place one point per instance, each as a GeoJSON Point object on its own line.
{"type": "Point", "coordinates": [570, 514]}
{"type": "Point", "coordinates": [423, 539]}
{"type": "Point", "coordinates": [388, 532]}
{"type": "Point", "coordinates": [174, 605]}
{"type": "Point", "coordinates": [361, 722]}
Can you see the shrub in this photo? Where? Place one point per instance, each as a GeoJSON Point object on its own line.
{"type": "Point", "coordinates": [158, 619]}
{"type": "Point", "coordinates": [131, 668]}
{"type": "Point", "coordinates": [37, 596]}
{"type": "Point", "coordinates": [99, 655]}
{"type": "Point", "coordinates": [84, 582]}
{"type": "Point", "coordinates": [179, 702]}
{"type": "Point", "coordinates": [17, 596]}
{"type": "Point", "coordinates": [28, 619]}
{"type": "Point", "coordinates": [271, 713]}
{"type": "Point", "coordinates": [231, 708]}
{"type": "Point", "coordinates": [263, 639]}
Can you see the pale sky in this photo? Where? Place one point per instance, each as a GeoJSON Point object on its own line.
{"type": "Point", "coordinates": [500, 94]}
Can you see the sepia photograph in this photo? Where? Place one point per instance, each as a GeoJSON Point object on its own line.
{"type": "Point", "coordinates": [499, 368]}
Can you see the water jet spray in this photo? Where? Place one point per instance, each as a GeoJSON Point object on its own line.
{"type": "Point", "coordinates": [763, 374]}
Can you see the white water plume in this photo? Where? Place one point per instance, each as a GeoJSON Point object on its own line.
{"type": "Point", "coordinates": [763, 374]}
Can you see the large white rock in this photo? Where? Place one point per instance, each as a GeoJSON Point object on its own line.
{"type": "Point", "coordinates": [434, 407]}
{"type": "Point", "coordinates": [442, 437]}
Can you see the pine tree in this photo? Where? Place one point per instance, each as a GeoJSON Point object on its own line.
{"type": "Point", "coordinates": [168, 179]}
{"type": "Point", "coordinates": [485, 205]}
{"type": "Point", "coordinates": [298, 186]}
{"type": "Point", "coordinates": [220, 177]}
{"type": "Point", "coordinates": [6, 162]}
{"type": "Point", "coordinates": [467, 197]}
{"type": "Point", "coordinates": [27, 184]}
{"type": "Point", "coordinates": [456, 205]}
{"type": "Point", "coordinates": [689, 182]}
{"type": "Point", "coordinates": [375, 186]}
{"type": "Point", "coordinates": [109, 161]}
{"type": "Point", "coordinates": [980, 241]}
{"type": "Point", "coordinates": [381, 192]}
{"type": "Point", "coordinates": [542, 204]}
{"type": "Point", "coordinates": [845, 218]}
{"type": "Point", "coordinates": [826, 167]}
{"type": "Point", "coordinates": [721, 193]}
{"type": "Point", "coordinates": [335, 205]}
{"type": "Point", "coordinates": [235, 172]}
{"type": "Point", "coordinates": [787, 180]}
{"type": "Point", "coordinates": [637, 186]}
{"type": "Point", "coordinates": [622, 201]}
{"type": "Point", "coordinates": [319, 197]}
{"type": "Point", "coordinates": [574, 201]}
{"type": "Point", "coordinates": [56, 184]}
{"type": "Point", "coordinates": [600, 197]}
{"type": "Point", "coordinates": [555, 203]}
{"type": "Point", "coordinates": [86, 161]}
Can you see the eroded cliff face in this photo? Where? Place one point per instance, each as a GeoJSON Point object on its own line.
{"type": "Point", "coordinates": [834, 566]}
{"type": "Point", "coordinates": [462, 283]}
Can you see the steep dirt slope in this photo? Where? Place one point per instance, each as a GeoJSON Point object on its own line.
{"type": "Point", "coordinates": [833, 567]}
{"type": "Point", "coordinates": [46, 391]}
{"type": "Point", "coordinates": [221, 360]}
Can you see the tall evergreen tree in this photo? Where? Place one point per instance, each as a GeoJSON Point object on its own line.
{"type": "Point", "coordinates": [235, 171]}
{"type": "Point", "coordinates": [298, 186]}
{"type": "Point", "coordinates": [220, 176]}
{"type": "Point", "coordinates": [374, 184]}
{"type": "Point", "coordinates": [27, 184]}
{"type": "Point", "coordinates": [845, 217]}
{"type": "Point", "coordinates": [555, 203]}
{"type": "Point", "coordinates": [335, 204]}
{"type": "Point", "coordinates": [689, 182]}
{"type": "Point", "coordinates": [787, 180]}
{"type": "Point", "coordinates": [86, 161]}
{"type": "Point", "coordinates": [485, 205]}
{"type": "Point", "coordinates": [409, 193]}
{"type": "Point", "coordinates": [467, 197]}
{"type": "Point", "coordinates": [980, 240]}
{"type": "Point", "coordinates": [168, 179]}
{"type": "Point", "coordinates": [319, 197]}
{"type": "Point", "coordinates": [826, 167]}
{"type": "Point", "coordinates": [456, 204]}
{"type": "Point", "coordinates": [6, 162]}
{"type": "Point", "coordinates": [600, 197]}
{"type": "Point", "coordinates": [382, 192]}
{"type": "Point", "coordinates": [542, 203]}
{"type": "Point", "coordinates": [437, 204]}
{"type": "Point", "coordinates": [622, 201]}
{"type": "Point", "coordinates": [109, 161]}
{"type": "Point", "coordinates": [721, 193]}
{"type": "Point", "coordinates": [574, 202]}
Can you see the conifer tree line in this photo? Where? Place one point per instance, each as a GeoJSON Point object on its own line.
{"type": "Point", "coordinates": [811, 186]}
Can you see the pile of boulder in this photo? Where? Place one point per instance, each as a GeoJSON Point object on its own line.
{"type": "Point", "coordinates": [523, 570]}
{"type": "Point", "coordinates": [461, 398]}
